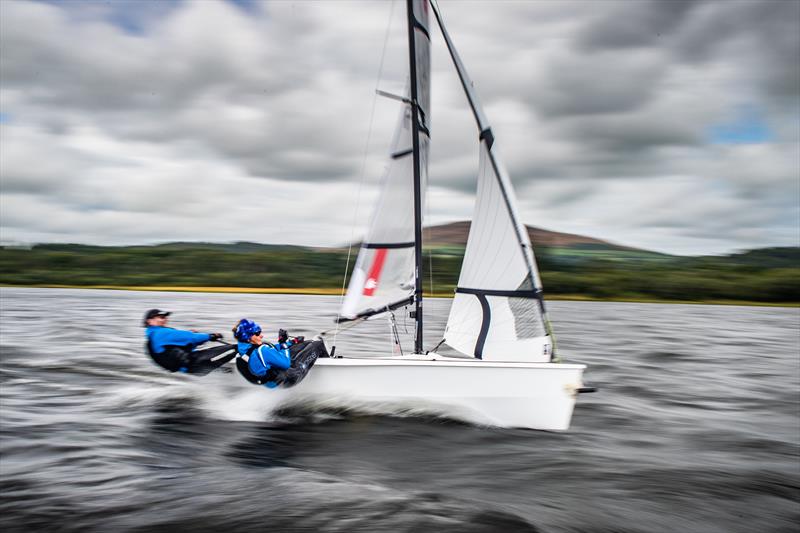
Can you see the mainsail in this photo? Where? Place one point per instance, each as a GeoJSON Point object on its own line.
{"type": "Point", "coordinates": [384, 273]}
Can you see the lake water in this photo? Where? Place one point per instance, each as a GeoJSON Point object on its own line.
{"type": "Point", "coordinates": [696, 427]}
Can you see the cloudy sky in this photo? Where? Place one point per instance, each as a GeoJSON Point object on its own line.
{"type": "Point", "coordinates": [669, 125]}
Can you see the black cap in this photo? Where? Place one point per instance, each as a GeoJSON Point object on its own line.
{"type": "Point", "coordinates": [154, 313]}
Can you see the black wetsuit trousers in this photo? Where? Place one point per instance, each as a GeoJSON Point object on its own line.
{"type": "Point", "coordinates": [201, 362]}
{"type": "Point", "coordinates": [304, 355]}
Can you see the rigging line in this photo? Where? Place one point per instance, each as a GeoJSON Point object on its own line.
{"type": "Point", "coordinates": [428, 217]}
{"type": "Point", "coordinates": [393, 322]}
{"type": "Point", "coordinates": [348, 325]}
{"type": "Point", "coordinates": [430, 266]}
{"type": "Point", "coordinates": [436, 347]}
{"type": "Point", "coordinates": [363, 168]}
{"type": "Point", "coordinates": [392, 334]}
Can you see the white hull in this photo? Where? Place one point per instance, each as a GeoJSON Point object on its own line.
{"type": "Point", "coordinates": [508, 394]}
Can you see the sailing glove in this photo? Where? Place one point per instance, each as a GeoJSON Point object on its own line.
{"type": "Point", "coordinates": [215, 336]}
{"type": "Point", "coordinates": [283, 336]}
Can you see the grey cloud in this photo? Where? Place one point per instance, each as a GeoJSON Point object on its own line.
{"type": "Point", "coordinates": [634, 24]}
{"type": "Point", "coordinates": [186, 70]}
{"type": "Point", "coordinates": [763, 33]}
{"type": "Point", "coordinates": [581, 84]}
{"type": "Point", "coordinates": [143, 125]}
{"type": "Point", "coordinates": [625, 134]}
{"type": "Point", "coordinates": [184, 58]}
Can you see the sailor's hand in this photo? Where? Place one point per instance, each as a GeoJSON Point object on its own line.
{"type": "Point", "coordinates": [298, 340]}
{"type": "Point", "coordinates": [283, 336]}
{"type": "Point", "coordinates": [216, 336]}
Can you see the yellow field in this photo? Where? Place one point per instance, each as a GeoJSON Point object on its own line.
{"type": "Point", "coordinates": [196, 289]}
{"type": "Point", "coordinates": [245, 290]}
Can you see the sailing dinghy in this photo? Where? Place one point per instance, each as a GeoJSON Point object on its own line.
{"type": "Point", "coordinates": [509, 375]}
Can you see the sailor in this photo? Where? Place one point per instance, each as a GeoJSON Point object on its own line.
{"type": "Point", "coordinates": [284, 363]}
{"type": "Point", "coordinates": [176, 350]}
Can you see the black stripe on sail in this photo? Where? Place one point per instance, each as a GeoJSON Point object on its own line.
{"type": "Point", "coordinates": [489, 136]}
{"type": "Point", "coordinates": [422, 122]}
{"type": "Point", "coordinates": [422, 28]}
{"type": "Point", "coordinates": [487, 318]}
{"type": "Point", "coordinates": [388, 245]}
{"type": "Point", "coordinates": [508, 294]}
{"type": "Point", "coordinates": [398, 155]}
{"type": "Point", "coordinates": [487, 314]}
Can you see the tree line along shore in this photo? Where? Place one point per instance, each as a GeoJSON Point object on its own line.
{"type": "Point", "coordinates": [767, 275]}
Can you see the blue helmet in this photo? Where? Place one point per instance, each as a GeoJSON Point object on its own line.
{"type": "Point", "coordinates": [246, 329]}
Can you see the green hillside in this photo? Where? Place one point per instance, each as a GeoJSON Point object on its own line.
{"type": "Point", "coordinates": [581, 253]}
{"type": "Point", "coordinates": [582, 270]}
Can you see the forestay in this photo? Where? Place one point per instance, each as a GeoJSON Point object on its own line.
{"type": "Point", "coordinates": [383, 276]}
{"type": "Point", "coordinates": [497, 312]}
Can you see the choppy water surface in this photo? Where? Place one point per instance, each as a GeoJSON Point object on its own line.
{"type": "Point", "coordinates": [696, 428]}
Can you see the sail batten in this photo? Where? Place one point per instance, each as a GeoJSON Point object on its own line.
{"type": "Point", "coordinates": [508, 294]}
{"type": "Point", "coordinates": [388, 245]}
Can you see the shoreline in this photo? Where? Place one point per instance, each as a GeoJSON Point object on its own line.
{"type": "Point", "coordinates": [316, 291]}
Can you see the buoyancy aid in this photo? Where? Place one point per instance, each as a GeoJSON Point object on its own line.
{"type": "Point", "coordinates": [254, 369]}
{"type": "Point", "coordinates": [256, 362]}
{"type": "Point", "coordinates": [173, 358]}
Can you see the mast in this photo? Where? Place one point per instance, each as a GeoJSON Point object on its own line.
{"type": "Point", "coordinates": [412, 54]}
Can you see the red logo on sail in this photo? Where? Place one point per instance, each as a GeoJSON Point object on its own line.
{"type": "Point", "coordinates": [375, 272]}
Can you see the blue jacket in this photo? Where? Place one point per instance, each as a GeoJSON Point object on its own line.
{"type": "Point", "coordinates": [160, 337]}
{"type": "Point", "coordinates": [265, 357]}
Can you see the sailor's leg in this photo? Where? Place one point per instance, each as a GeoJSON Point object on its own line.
{"type": "Point", "coordinates": [204, 361]}
{"type": "Point", "coordinates": [303, 361]}
{"type": "Point", "coordinates": [298, 347]}
{"type": "Point", "coordinates": [310, 353]}
{"type": "Point", "coordinates": [320, 349]}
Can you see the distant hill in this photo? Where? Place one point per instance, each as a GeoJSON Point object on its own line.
{"type": "Point", "coordinates": [234, 247]}
{"type": "Point", "coordinates": [456, 233]}
{"type": "Point", "coordinates": [563, 248]}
